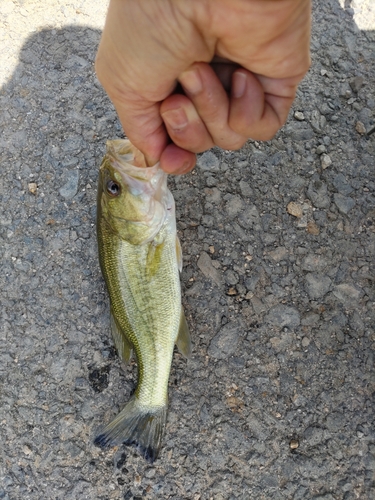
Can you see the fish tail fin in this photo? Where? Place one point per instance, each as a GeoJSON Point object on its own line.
{"type": "Point", "coordinates": [137, 426]}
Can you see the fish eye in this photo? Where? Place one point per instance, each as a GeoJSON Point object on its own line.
{"type": "Point", "coordinates": [113, 188]}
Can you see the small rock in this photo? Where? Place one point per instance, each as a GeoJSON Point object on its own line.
{"type": "Point", "coordinates": [317, 285]}
{"type": "Point", "coordinates": [225, 342]}
{"type": "Point", "coordinates": [318, 121]}
{"type": "Point", "coordinates": [342, 185]}
{"type": "Point", "coordinates": [321, 149]}
{"type": "Point", "coordinates": [314, 262]}
{"type": "Point", "coordinates": [282, 315]}
{"type": "Point", "coordinates": [325, 161]}
{"type": "Point", "coordinates": [257, 304]}
{"type": "Point", "coordinates": [205, 265]}
{"type": "Point", "coordinates": [356, 83]}
{"type": "Point", "coordinates": [234, 206]}
{"type": "Point", "coordinates": [357, 326]}
{"type": "Point", "coordinates": [305, 342]}
{"type": "Point", "coordinates": [343, 203]}
{"type": "Point", "coordinates": [360, 128]}
{"type": "Point", "coordinates": [294, 209]}
{"type": "Point", "coordinates": [312, 228]}
{"type": "Point", "coordinates": [33, 188]}
{"type": "Point", "coordinates": [293, 444]}
{"type": "Point", "coordinates": [70, 188]}
{"type": "Point", "coordinates": [208, 161]}
{"type": "Point", "coordinates": [317, 192]}
{"type": "Point", "coordinates": [281, 253]}
{"type": "Point", "coordinates": [298, 115]}
{"type": "Point", "coordinates": [231, 278]}
{"type": "Point", "coordinates": [346, 293]}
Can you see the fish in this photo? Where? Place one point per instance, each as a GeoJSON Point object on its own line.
{"type": "Point", "coordinates": [140, 258]}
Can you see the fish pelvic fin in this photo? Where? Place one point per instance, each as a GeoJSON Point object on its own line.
{"type": "Point", "coordinates": [138, 426]}
{"type": "Point", "coordinates": [183, 341]}
{"type": "Point", "coordinates": [123, 345]}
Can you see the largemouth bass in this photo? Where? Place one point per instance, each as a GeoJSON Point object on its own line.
{"type": "Point", "coordinates": [140, 257]}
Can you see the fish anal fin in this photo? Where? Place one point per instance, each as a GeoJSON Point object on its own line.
{"type": "Point", "coordinates": [137, 426]}
{"type": "Point", "coordinates": [123, 346]}
{"type": "Point", "coordinates": [183, 341]}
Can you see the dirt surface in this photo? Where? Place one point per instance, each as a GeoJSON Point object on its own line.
{"type": "Point", "coordinates": [278, 282]}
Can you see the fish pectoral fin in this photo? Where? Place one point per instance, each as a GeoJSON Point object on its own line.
{"type": "Point", "coordinates": [179, 253]}
{"type": "Point", "coordinates": [183, 341]}
{"type": "Point", "coordinates": [154, 258]}
{"type": "Point", "coordinates": [123, 346]}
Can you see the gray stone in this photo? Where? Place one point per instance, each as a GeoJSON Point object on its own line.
{"type": "Point", "coordinates": [318, 121]}
{"type": "Point", "coordinates": [279, 254]}
{"type": "Point", "coordinates": [282, 315]}
{"type": "Point", "coordinates": [70, 188]}
{"type": "Point", "coordinates": [317, 285]}
{"type": "Point", "coordinates": [343, 203]}
{"type": "Point", "coordinates": [317, 192]}
{"type": "Point", "coordinates": [313, 262]}
{"type": "Point", "coordinates": [234, 206]}
{"type": "Point", "coordinates": [205, 265]}
{"type": "Point", "coordinates": [347, 293]}
{"type": "Point", "coordinates": [231, 278]}
{"type": "Point", "coordinates": [208, 161]}
{"type": "Point", "coordinates": [313, 435]}
{"type": "Point", "coordinates": [225, 342]}
{"type": "Point", "coordinates": [356, 83]}
{"type": "Point", "coordinates": [342, 185]}
{"type": "Point", "coordinates": [357, 326]}
{"type": "Point", "coordinates": [325, 161]}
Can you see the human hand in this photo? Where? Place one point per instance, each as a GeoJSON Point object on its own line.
{"type": "Point", "coordinates": [149, 46]}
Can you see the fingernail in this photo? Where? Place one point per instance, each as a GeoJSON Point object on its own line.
{"type": "Point", "coordinates": [175, 118]}
{"type": "Point", "coordinates": [191, 81]}
{"type": "Point", "coordinates": [238, 84]}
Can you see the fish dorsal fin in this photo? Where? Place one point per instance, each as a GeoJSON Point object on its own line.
{"type": "Point", "coordinates": [183, 341]}
{"type": "Point", "coordinates": [123, 346]}
{"type": "Point", "coordinates": [179, 253]}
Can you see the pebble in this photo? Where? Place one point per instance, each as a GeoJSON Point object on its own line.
{"type": "Point", "coordinates": [325, 161]}
{"type": "Point", "coordinates": [343, 203]}
{"type": "Point", "coordinates": [342, 185]}
{"type": "Point", "coordinates": [279, 254]}
{"type": "Point", "coordinates": [294, 209]}
{"type": "Point", "coordinates": [347, 293]}
{"type": "Point", "coordinates": [317, 192]}
{"type": "Point", "coordinates": [298, 115]}
{"type": "Point", "coordinates": [293, 444]}
{"type": "Point", "coordinates": [321, 149]}
{"type": "Point", "coordinates": [225, 342]}
{"type": "Point", "coordinates": [360, 128]}
{"type": "Point", "coordinates": [282, 315]}
{"type": "Point", "coordinates": [317, 285]}
{"type": "Point", "coordinates": [70, 188]}
{"type": "Point", "coordinates": [356, 83]}
{"type": "Point", "coordinates": [33, 188]}
{"type": "Point", "coordinates": [305, 342]}
{"type": "Point", "coordinates": [312, 228]}
{"type": "Point", "coordinates": [205, 265]}
{"type": "Point", "coordinates": [208, 162]}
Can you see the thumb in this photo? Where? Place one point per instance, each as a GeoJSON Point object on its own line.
{"type": "Point", "coordinates": [143, 126]}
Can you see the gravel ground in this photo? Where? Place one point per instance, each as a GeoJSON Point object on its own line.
{"type": "Point", "coordinates": [278, 282]}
